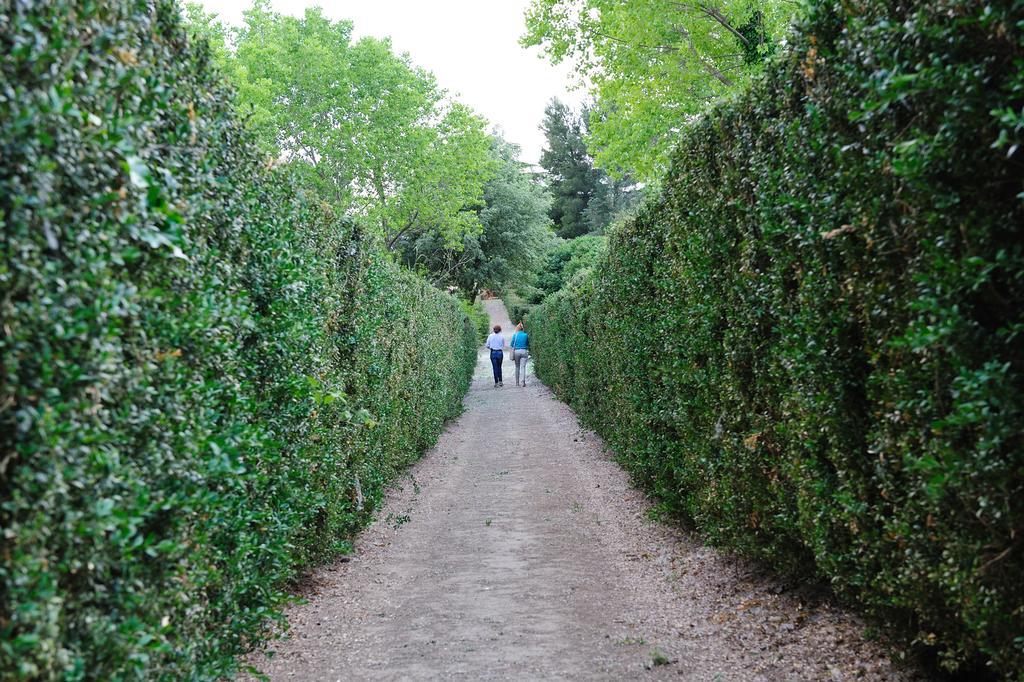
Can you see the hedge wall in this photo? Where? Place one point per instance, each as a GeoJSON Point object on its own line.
{"type": "Point", "coordinates": [811, 344]}
{"type": "Point", "coordinates": [207, 378]}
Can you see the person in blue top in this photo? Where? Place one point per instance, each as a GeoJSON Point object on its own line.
{"type": "Point", "coordinates": [520, 351]}
{"type": "Point", "coordinates": [496, 344]}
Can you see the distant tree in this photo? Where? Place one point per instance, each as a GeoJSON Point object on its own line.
{"type": "Point", "coordinates": [570, 170]}
{"type": "Point", "coordinates": [563, 259]}
{"type": "Point", "coordinates": [511, 246]}
{"type": "Point", "coordinates": [377, 134]}
{"type": "Point", "coordinates": [585, 199]}
{"type": "Point", "coordinates": [652, 63]}
{"type": "Point", "coordinates": [255, 96]}
{"type": "Point", "coordinates": [612, 199]}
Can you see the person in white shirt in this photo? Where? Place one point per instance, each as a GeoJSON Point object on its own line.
{"type": "Point", "coordinates": [496, 344]}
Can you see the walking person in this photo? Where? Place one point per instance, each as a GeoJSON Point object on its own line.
{"type": "Point", "coordinates": [496, 344]}
{"type": "Point", "coordinates": [520, 351]}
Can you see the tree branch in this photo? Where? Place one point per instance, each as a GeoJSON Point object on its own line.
{"type": "Point", "coordinates": [640, 46]}
{"type": "Point", "coordinates": [715, 14]}
{"type": "Point", "coordinates": [710, 67]}
{"type": "Point", "coordinates": [408, 225]}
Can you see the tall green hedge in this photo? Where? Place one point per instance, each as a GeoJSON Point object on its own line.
{"type": "Point", "coordinates": [811, 344]}
{"type": "Point", "coordinates": [207, 377]}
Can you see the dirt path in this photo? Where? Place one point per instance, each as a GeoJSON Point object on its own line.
{"type": "Point", "coordinates": [516, 549]}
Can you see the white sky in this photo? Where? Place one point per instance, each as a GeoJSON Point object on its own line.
{"type": "Point", "coordinates": [470, 45]}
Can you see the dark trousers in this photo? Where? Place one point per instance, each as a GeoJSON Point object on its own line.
{"type": "Point", "coordinates": [496, 357]}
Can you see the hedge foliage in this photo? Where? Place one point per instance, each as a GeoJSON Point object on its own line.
{"type": "Point", "coordinates": [479, 317]}
{"type": "Point", "coordinates": [811, 343]}
{"type": "Point", "coordinates": [207, 377]}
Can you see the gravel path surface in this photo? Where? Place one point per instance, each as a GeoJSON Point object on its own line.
{"type": "Point", "coordinates": [517, 549]}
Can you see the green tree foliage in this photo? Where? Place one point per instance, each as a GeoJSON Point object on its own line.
{"type": "Point", "coordinates": [207, 376]}
{"type": "Point", "coordinates": [253, 97]}
{"type": "Point", "coordinates": [585, 199]}
{"type": "Point", "coordinates": [516, 231]}
{"type": "Point", "coordinates": [816, 331]}
{"type": "Point", "coordinates": [565, 259]}
{"type": "Point", "coordinates": [374, 131]}
{"type": "Point", "coordinates": [652, 63]}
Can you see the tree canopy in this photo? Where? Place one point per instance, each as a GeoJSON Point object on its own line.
{"type": "Point", "coordinates": [652, 63]}
{"type": "Point", "coordinates": [516, 232]}
{"type": "Point", "coordinates": [377, 134]}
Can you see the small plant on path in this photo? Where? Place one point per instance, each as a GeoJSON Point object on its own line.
{"type": "Point", "coordinates": [658, 657]}
{"type": "Point", "coordinates": [397, 521]}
